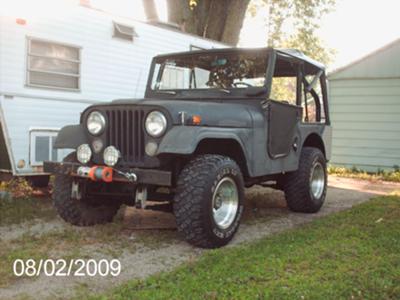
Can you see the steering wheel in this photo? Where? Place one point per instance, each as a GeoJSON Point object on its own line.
{"type": "Point", "coordinates": [241, 83]}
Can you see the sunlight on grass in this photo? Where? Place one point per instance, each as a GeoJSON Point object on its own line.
{"type": "Point", "coordinates": [350, 255]}
{"type": "Point", "coordinates": [356, 173]}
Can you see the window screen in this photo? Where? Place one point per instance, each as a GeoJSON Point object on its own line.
{"type": "Point", "coordinates": [42, 149]}
{"type": "Point", "coordinates": [53, 65]}
{"type": "Point", "coordinates": [124, 32]}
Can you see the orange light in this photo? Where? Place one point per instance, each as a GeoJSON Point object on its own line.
{"type": "Point", "coordinates": [196, 119]}
{"type": "Point", "coordinates": [20, 21]}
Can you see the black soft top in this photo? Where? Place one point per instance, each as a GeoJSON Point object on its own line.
{"type": "Point", "coordinates": [297, 54]}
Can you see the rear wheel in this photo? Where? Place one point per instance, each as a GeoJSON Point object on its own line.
{"type": "Point", "coordinates": [305, 189]}
{"type": "Point", "coordinates": [75, 207]}
{"type": "Point", "coordinates": [208, 203]}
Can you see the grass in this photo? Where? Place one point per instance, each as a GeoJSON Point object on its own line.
{"type": "Point", "coordinates": [104, 241]}
{"type": "Point", "coordinates": [354, 254]}
{"type": "Point", "coordinates": [354, 172]}
{"type": "Point", "coordinates": [18, 203]}
{"type": "Point", "coordinates": [15, 211]}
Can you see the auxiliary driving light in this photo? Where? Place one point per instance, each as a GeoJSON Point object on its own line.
{"type": "Point", "coordinates": [84, 153]}
{"type": "Point", "coordinates": [111, 156]}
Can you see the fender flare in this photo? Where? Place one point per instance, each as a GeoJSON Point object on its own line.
{"type": "Point", "coordinates": [184, 140]}
{"type": "Point", "coordinates": [70, 137]}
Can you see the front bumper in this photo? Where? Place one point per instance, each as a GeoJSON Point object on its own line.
{"type": "Point", "coordinates": [143, 176]}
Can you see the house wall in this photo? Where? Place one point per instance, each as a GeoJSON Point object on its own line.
{"type": "Point", "coordinates": [365, 116]}
{"type": "Point", "coordinates": [110, 68]}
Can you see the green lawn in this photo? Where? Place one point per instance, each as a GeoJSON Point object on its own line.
{"type": "Point", "coordinates": [350, 255]}
{"type": "Point", "coordinates": [15, 211]}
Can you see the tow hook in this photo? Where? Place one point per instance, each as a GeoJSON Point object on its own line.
{"type": "Point", "coordinates": [128, 175]}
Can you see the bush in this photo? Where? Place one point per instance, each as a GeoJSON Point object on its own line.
{"type": "Point", "coordinates": [17, 187]}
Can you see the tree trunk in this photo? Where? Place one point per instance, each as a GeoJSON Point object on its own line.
{"type": "Point", "coordinates": [150, 10]}
{"type": "Point", "coordinates": [236, 12]}
{"type": "Point", "coordinates": [220, 20]}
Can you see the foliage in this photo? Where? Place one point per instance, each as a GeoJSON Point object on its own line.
{"type": "Point", "coordinates": [18, 204]}
{"type": "Point", "coordinates": [355, 172]}
{"type": "Point", "coordinates": [350, 255]}
{"type": "Point", "coordinates": [294, 24]}
{"type": "Point", "coordinates": [18, 187]}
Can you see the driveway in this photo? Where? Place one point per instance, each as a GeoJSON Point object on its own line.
{"type": "Point", "coordinates": [146, 252]}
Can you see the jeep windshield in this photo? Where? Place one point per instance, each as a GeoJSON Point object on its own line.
{"type": "Point", "coordinates": [211, 72]}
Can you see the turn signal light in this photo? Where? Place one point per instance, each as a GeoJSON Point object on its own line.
{"type": "Point", "coordinates": [196, 120]}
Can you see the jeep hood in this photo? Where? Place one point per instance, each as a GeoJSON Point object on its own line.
{"type": "Point", "coordinates": [213, 113]}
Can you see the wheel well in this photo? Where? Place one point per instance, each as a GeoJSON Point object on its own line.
{"type": "Point", "coordinates": [226, 147]}
{"type": "Point", "coordinates": [314, 140]}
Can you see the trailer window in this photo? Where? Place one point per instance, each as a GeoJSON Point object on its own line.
{"type": "Point", "coordinates": [41, 147]}
{"type": "Point", "coordinates": [53, 65]}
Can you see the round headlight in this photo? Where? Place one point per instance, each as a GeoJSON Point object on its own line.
{"type": "Point", "coordinates": [96, 123]}
{"type": "Point", "coordinates": [111, 156]}
{"type": "Point", "coordinates": [84, 153]}
{"type": "Point", "coordinates": [156, 123]}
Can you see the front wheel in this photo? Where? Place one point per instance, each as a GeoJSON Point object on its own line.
{"type": "Point", "coordinates": [75, 207]}
{"type": "Point", "coordinates": [208, 203]}
{"type": "Point", "coordinates": [305, 189]}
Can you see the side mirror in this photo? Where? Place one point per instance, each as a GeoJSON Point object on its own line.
{"type": "Point", "coordinates": [256, 90]}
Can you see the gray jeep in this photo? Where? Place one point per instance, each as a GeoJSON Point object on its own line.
{"type": "Point", "coordinates": [212, 123]}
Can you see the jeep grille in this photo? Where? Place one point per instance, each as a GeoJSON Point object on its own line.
{"type": "Point", "coordinates": [124, 131]}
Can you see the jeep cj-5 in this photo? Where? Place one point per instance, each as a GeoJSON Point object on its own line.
{"type": "Point", "coordinates": [212, 123]}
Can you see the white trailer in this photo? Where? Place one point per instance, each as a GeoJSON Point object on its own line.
{"type": "Point", "coordinates": [52, 66]}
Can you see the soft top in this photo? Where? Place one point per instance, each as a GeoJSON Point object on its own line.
{"type": "Point", "coordinates": [285, 52]}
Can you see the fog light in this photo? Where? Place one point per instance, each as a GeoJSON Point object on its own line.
{"type": "Point", "coordinates": [151, 148]}
{"type": "Point", "coordinates": [84, 153]}
{"type": "Point", "coordinates": [111, 156]}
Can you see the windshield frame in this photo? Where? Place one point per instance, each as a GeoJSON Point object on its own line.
{"type": "Point", "coordinates": [207, 93]}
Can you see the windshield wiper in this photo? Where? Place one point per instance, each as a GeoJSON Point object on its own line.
{"type": "Point", "coordinates": [166, 92]}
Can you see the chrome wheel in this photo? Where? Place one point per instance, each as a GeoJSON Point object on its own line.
{"type": "Point", "coordinates": [225, 202]}
{"type": "Point", "coordinates": [317, 183]}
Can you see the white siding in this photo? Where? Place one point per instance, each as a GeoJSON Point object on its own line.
{"type": "Point", "coordinates": [365, 116]}
{"type": "Point", "coordinates": [110, 68]}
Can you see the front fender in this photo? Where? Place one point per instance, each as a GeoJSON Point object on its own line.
{"type": "Point", "coordinates": [184, 139]}
{"type": "Point", "coordinates": [70, 137]}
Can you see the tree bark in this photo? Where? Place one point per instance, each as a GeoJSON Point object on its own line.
{"type": "Point", "coordinates": [150, 10]}
{"type": "Point", "coordinates": [236, 12]}
{"type": "Point", "coordinates": [220, 20]}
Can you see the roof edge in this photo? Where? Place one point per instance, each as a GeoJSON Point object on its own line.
{"type": "Point", "coordinates": [365, 57]}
